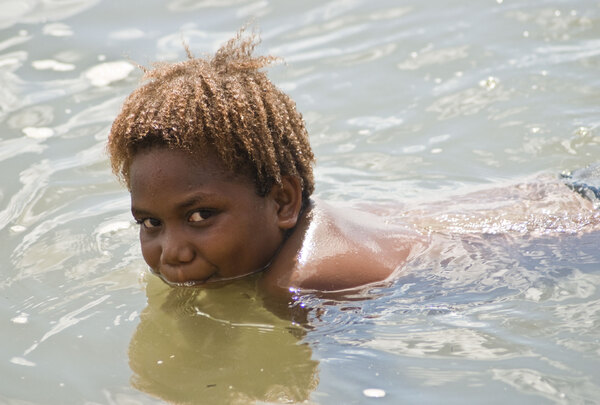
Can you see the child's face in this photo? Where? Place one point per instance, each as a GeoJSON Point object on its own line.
{"type": "Point", "coordinates": [197, 222]}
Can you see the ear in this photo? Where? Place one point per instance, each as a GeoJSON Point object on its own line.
{"type": "Point", "coordinates": [288, 200]}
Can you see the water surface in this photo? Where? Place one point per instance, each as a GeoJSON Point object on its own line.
{"type": "Point", "coordinates": [405, 102]}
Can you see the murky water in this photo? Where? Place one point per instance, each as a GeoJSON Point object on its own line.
{"type": "Point", "coordinates": [405, 101]}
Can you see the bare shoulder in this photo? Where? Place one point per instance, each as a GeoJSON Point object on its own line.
{"type": "Point", "coordinates": [335, 248]}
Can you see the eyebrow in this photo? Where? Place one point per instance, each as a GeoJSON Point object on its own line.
{"type": "Point", "coordinates": [190, 201]}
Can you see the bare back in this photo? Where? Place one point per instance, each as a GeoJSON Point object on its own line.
{"type": "Point", "coordinates": [339, 248]}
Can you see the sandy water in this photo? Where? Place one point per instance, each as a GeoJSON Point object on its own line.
{"type": "Point", "coordinates": [405, 101]}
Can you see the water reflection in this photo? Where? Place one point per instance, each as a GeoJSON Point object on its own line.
{"type": "Point", "coordinates": [218, 346]}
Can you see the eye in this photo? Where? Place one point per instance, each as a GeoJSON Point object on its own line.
{"type": "Point", "coordinates": [149, 223]}
{"type": "Point", "coordinates": [200, 215]}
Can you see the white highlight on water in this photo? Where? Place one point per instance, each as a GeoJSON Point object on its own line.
{"type": "Point", "coordinates": [22, 362]}
{"type": "Point", "coordinates": [106, 73]}
{"type": "Point", "coordinates": [22, 318]}
{"type": "Point", "coordinates": [374, 393]}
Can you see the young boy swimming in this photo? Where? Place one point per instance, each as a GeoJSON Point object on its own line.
{"type": "Point", "coordinates": [219, 167]}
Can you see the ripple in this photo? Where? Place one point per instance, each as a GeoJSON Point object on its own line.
{"type": "Point", "coordinates": [12, 148]}
{"type": "Point", "coordinates": [188, 5]}
{"type": "Point", "coordinates": [553, 23]}
{"type": "Point", "coordinates": [530, 381]}
{"type": "Point", "coordinates": [11, 85]}
{"type": "Point", "coordinates": [430, 377]}
{"type": "Point", "coordinates": [34, 116]}
{"type": "Point", "coordinates": [311, 48]}
{"type": "Point", "coordinates": [469, 101]}
{"type": "Point", "coordinates": [434, 57]}
{"type": "Point", "coordinates": [50, 64]}
{"type": "Point", "coordinates": [445, 343]}
{"type": "Point", "coordinates": [39, 11]}
{"type": "Point", "coordinates": [376, 123]}
{"type": "Point", "coordinates": [13, 41]}
{"type": "Point", "coordinates": [38, 133]}
{"type": "Point", "coordinates": [127, 34]}
{"type": "Point", "coordinates": [57, 30]}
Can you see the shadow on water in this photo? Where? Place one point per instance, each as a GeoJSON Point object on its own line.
{"type": "Point", "coordinates": [218, 346]}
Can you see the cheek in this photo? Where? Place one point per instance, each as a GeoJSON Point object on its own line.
{"type": "Point", "coordinates": [150, 252]}
{"type": "Point", "coordinates": [261, 238]}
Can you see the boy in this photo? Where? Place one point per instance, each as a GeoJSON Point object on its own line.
{"type": "Point", "coordinates": [219, 166]}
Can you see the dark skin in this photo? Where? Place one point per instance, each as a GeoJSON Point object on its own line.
{"type": "Point", "coordinates": [201, 225]}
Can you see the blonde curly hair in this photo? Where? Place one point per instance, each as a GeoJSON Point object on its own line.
{"type": "Point", "coordinates": [224, 105]}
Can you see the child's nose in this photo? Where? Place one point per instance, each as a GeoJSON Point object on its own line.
{"type": "Point", "coordinates": [176, 249]}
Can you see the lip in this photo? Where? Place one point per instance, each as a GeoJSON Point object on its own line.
{"type": "Point", "coordinates": [171, 277]}
{"type": "Point", "coordinates": [191, 283]}
{"type": "Point", "coordinates": [211, 280]}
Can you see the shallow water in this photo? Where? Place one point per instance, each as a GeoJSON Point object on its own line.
{"type": "Point", "coordinates": [405, 101]}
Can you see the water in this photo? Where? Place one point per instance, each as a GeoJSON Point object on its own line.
{"type": "Point", "coordinates": [405, 102]}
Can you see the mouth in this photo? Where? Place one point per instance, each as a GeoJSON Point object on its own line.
{"type": "Point", "coordinates": [186, 283]}
{"type": "Point", "coordinates": [211, 280]}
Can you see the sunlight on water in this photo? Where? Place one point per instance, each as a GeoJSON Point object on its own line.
{"type": "Point", "coordinates": [421, 110]}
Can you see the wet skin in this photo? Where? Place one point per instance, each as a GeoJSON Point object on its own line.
{"type": "Point", "coordinates": [199, 224]}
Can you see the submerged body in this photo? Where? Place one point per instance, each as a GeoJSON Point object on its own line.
{"type": "Point", "coordinates": [219, 166]}
{"type": "Point", "coordinates": [202, 225]}
{"type": "Point", "coordinates": [199, 224]}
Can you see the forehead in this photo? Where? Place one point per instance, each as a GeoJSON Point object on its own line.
{"type": "Point", "coordinates": [159, 170]}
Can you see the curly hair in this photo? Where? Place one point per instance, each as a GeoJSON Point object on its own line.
{"type": "Point", "coordinates": [224, 105]}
